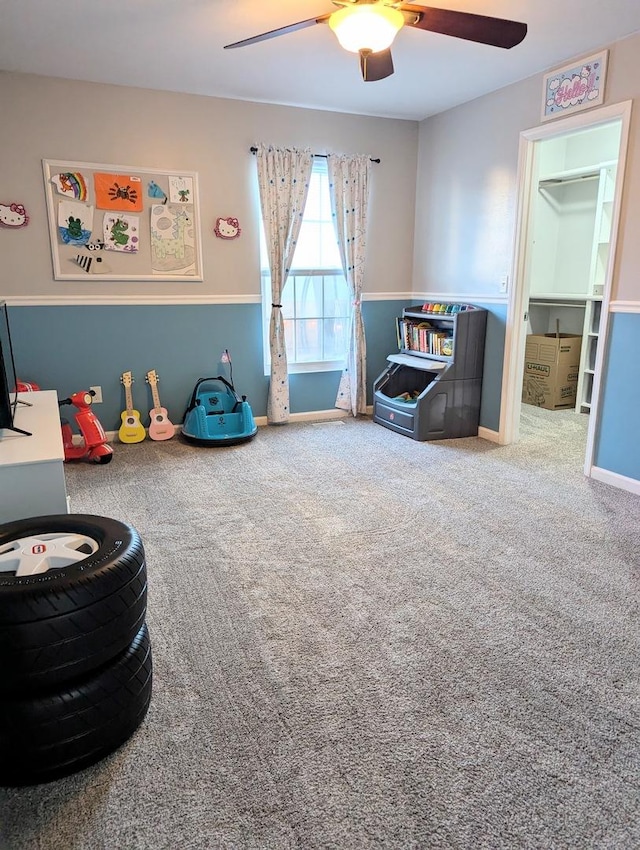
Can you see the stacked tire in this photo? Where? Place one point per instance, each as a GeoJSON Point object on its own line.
{"type": "Point", "coordinates": [75, 656]}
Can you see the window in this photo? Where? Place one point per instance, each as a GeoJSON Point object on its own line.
{"type": "Point", "coordinates": [316, 304]}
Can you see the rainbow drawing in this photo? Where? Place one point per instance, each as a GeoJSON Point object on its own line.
{"type": "Point", "coordinates": [72, 184]}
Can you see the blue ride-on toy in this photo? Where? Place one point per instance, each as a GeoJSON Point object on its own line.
{"type": "Point", "coordinates": [217, 416]}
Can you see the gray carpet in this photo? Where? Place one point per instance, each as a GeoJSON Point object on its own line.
{"type": "Point", "coordinates": [361, 641]}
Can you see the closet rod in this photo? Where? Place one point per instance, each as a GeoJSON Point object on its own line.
{"type": "Point", "coordinates": [254, 150]}
{"type": "Point", "coordinates": [560, 181]}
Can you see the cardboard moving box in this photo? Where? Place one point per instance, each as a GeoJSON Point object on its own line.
{"type": "Point", "coordinates": [551, 364]}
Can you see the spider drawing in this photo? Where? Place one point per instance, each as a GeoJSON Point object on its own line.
{"type": "Point", "coordinates": [126, 193]}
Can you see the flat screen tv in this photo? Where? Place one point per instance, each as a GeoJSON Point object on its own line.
{"type": "Point", "coordinates": [8, 381]}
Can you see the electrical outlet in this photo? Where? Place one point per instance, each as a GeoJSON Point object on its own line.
{"type": "Point", "coordinates": [97, 399]}
{"type": "Point", "coordinates": [504, 283]}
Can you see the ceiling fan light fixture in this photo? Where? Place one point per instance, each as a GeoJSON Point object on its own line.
{"type": "Point", "coordinates": [371, 27]}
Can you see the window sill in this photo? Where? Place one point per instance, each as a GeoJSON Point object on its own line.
{"type": "Point", "coordinates": [304, 368]}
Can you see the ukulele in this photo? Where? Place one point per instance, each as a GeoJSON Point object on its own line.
{"type": "Point", "coordinates": [131, 430]}
{"type": "Point", "coordinates": [160, 428]}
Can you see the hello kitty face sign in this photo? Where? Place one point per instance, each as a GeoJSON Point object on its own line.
{"type": "Point", "coordinates": [227, 228]}
{"type": "Point", "coordinates": [13, 215]}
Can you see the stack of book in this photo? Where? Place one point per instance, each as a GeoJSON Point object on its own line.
{"type": "Point", "coordinates": [423, 337]}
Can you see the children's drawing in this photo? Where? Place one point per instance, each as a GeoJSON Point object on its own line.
{"type": "Point", "coordinates": [227, 228]}
{"type": "Point", "coordinates": [154, 191]}
{"type": "Point", "coordinates": [172, 239]}
{"type": "Point", "coordinates": [118, 192]}
{"type": "Point", "coordinates": [71, 184]}
{"type": "Point", "coordinates": [121, 232]}
{"type": "Point", "coordinates": [91, 264]}
{"type": "Point", "coordinates": [181, 190]}
{"type": "Point", "coordinates": [117, 221]}
{"type": "Point", "coordinates": [75, 222]}
{"type": "Point", "coordinates": [13, 215]}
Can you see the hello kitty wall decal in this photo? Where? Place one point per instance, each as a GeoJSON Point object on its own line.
{"type": "Point", "coordinates": [227, 228]}
{"type": "Point", "coordinates": [13, 215]}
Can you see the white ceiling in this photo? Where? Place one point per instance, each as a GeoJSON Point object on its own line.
{"type": "Point", "coordinates": [176, 45]}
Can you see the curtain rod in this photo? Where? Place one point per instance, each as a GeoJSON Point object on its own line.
{"type": "Point", "coordinates": [321, 155]}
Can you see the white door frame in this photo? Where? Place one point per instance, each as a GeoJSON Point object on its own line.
{"type": "Point", "coordinates": [515, 335]}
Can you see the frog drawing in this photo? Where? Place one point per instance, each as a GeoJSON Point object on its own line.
{"type": "Point", "coordinates": [74, 226]}
{"type": "Point", "coordinates": [118, 234]}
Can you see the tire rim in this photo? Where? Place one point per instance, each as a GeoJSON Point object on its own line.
{"type": "Point", "coordinates": [39, 553]}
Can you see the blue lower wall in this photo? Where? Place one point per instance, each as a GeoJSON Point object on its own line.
{"type": "Point", "coordinates": [72, 348]}
{"type": "Point", "coordinates": [618, 443]}
{"type": "Point", "coordinates": [493, 365]}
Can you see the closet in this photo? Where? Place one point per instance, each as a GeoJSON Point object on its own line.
{"type": "Point", "coordinates": [570, 231]}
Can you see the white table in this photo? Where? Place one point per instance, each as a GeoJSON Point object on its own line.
{"type": "Point", "coordinates": [32, 479]}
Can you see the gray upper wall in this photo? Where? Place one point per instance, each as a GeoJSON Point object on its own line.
{"type": "Point", "coordinates": [464, 162]}
{"type": "Point", "coordinates": [467, 175]}
{"type": "Point", "coordinates": [48, 118]}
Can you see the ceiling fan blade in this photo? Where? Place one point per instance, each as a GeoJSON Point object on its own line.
{"type": "Point", "coordinates": [375, 66]}
{"type": "Point", "coordinates": [301, 25]}
{"type": "Point", "coordinates": [496, 32]}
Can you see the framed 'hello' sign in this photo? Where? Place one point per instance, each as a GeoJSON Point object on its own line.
{"type": "Point", "coordinates": [574, 87]}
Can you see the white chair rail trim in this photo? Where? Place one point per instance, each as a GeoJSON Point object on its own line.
{"type": "Point", "coordinates": [127, 300]}
{"type": "Point", "coordinates": [104, 300]}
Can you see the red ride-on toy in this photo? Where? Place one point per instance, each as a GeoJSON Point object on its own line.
{"type": "Point", "coordinates": [94, 446]}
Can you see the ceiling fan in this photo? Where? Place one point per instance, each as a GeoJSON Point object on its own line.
{"type": "Point", "coordinates": [368, 27]}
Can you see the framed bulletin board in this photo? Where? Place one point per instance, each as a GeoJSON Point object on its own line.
{"type": "Point", "coordinates": [122, 222]}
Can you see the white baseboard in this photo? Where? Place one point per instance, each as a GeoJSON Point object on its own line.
{"type": "Point", "coordinates": [261, 421]}
{"type": "Point", "coordinates": [314, 416]}
{"type": "Point", "coordinates": [309, 416]}
{"type": "Point", "coordinates": [488, 434]}
{"type": "Point", "coordinates": [622, 482]}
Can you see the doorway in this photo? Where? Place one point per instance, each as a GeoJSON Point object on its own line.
{"type": "Point", "coordinates": [570, 177]}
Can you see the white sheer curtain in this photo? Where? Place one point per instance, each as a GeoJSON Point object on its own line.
{"type": "Point", "coordinates": [349, 189]}
{"type": "Point", "coordinates": [283, 178]}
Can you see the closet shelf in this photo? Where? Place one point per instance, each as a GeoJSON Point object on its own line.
{"type": "Point", "coordinates": [573, 174]}
{"type": "Point", "coordinates": [551, 182]}
{"type": "Point", "coordinates": [557, 301]}
{"type": "Point", "coordinates": [553, 299]}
